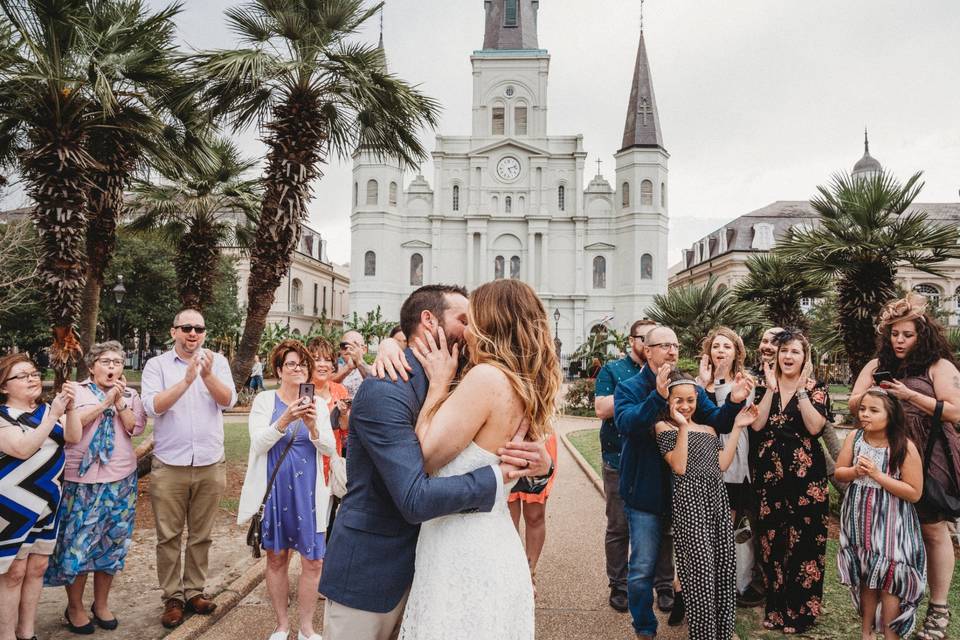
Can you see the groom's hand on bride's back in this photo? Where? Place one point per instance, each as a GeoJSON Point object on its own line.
{"type": "Point", "coordinates": [520, 458]}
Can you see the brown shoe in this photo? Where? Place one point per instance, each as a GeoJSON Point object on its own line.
{"type": "Point", "coordinates": [201, 604]}
{"type": "Point", "coordinates": [172, 613]}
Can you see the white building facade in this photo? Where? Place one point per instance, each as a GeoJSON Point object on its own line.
{"type": "Point", "coordinates": [510, 200]}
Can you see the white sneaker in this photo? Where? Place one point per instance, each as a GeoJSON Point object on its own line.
{"type": "Point", "coordinates": [279, 635]}
{"type": "Point", "coordinates": [315, 636]}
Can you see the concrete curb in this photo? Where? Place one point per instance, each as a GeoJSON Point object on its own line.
{"type": "Point", "coordinates": [196, 625]}
{"type": "Point", "coordinates": [584, 465]}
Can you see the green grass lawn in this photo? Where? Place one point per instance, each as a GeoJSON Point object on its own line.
{"type": "Point", "coordinates": [839, 620]}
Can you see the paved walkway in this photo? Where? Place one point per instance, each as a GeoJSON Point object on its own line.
{"type": "Point", "coordinates": [571, 578]}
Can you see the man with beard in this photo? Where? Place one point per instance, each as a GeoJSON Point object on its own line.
{"type": "Point", "coordinates": [369, 564]}
{"type": "Point", "coordinates": [617, 540]}
{"type": "Point", "coordinates": [644, 476]}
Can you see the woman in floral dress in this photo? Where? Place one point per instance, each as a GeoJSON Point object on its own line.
{"type": "Point", "coordinates": [791, 478]}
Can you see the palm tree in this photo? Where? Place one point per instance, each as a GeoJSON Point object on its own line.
{"type": "Point", "coordinates": [692, 311]}
{"type": "Point", "coordinates": [73, 75]}
{"type": "Point", "coordinates": [778, 286]}
{"type": "Point", "coordinates": [315, 93]}
{"type": "Point", "coordinates": [867, 231]}
{"type": "Point", "coordinates": [200, 208]}
{"type": "Point", "coordinates": [140, 87]}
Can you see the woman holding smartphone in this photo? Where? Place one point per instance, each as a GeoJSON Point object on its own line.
{"type": "Point", "coordinates": [289, 433]}
{"type": "Point", "coordinates": [915, 363]}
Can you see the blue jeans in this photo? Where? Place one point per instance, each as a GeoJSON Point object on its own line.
{"type": "Point", "coordinates": [645, 533]}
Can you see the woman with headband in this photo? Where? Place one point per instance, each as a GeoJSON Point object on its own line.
{"type": "Point", "coordinates": [915, 364]}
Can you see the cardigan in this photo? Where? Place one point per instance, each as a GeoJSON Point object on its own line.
{"type": "Point", "coordinates": [263, 435]}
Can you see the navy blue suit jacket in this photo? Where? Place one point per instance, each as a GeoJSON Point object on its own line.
{"type": "Point", "coordinates": [371, 550]}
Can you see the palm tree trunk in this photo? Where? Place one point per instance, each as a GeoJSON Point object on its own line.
{"type": "Point", "coordinates": [860, 297]}
{"type": "Point", "coordinates": [89, 316]}
{"type": "Point", "coordinates": [196, 265]}
{"type": "Point", "coordinates": [56, 169]}
{"type": "Point", "coordinates": [297, 137]}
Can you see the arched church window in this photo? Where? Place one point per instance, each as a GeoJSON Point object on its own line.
{"type": "Point", "coordinates": [510, 13]}
{"type": "Point", "coordinates": [416, 270]}
{"type": "Point", "coordinates": [514, 267]}
{"type": "Point", "coordinates": [393, 194]}
{"type": "Point", "coordinates": [373, 192]}
{"type": "Point", "coordinates": [498, 264]}
{"type": "Point", "coordinates": [370, 263]}
{"type": "Point", "coordinates": [497, 124]}
{"type": "Point", "coordinates": [646, 267]}
{"type": "Point", "coordinates": [508, 204]}
{"type": "Point", "coordinates": [931, 292]}
{"type": "Point", "coordinates": [296, 296]}
{"type": "Point", "coordinates": [520, 120]}
{"type": "Point", "coordinates": [663, 195]}
{"type": "Point", "coordinates": [599, 272]}
{"type": "Point", "coordinates": [561, 198]}
{"type": "Point", "coordinates": [626, 194]}
{"type": "Point", "coordinates": [646, 193]}
{"type": "Point", "coordinates": [456, 197]}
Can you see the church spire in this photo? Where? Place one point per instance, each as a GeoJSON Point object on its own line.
{"type": "Point", "coordinates": [642, 127]}
{"type": "Point", "coordinates": [511, 24]}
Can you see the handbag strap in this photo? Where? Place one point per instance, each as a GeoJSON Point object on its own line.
{"type": "Point", "coordinates": [276, 469]}
{"type": "Point", "coordinates": [936, 428]}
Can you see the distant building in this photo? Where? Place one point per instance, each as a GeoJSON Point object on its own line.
{"type": "Point", "coordinates": [724, 252]}
{"type": "Point", "coordinates": [314, 286]}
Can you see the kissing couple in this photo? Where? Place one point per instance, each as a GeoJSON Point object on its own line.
{"type": "Point", "coordinates": [423, 536]}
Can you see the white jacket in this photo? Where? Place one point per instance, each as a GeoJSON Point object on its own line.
{"type": "Point", "coordinates": [263, 435]}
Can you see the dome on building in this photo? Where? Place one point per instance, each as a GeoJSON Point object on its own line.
{"type": "Point", "coordinates": [867, 166]}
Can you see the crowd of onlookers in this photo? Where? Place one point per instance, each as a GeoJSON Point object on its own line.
{"type": "Point", "coordinates": [689, 460]}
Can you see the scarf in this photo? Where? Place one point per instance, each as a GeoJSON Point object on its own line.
{"type": "Point", "coordinates": [101, 445]}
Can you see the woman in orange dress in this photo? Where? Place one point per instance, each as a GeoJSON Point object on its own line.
{"type": "Point", "coordinates": [337, 397]}
{"type": "Point", "coordinates": [531, 501]}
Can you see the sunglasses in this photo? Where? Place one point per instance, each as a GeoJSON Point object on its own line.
{"type": "Point", "coordinates": [187, 328]}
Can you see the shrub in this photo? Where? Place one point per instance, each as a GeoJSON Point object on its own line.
{"type": "Point", "coordinates": [580, 396]}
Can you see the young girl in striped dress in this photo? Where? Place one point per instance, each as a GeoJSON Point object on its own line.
{"type": "Point", "coordinates": [881, 550]}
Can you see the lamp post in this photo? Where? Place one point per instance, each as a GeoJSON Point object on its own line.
{"type": "Point", "coordinates": [556, 331]}
{"type": "Point", "coordinates": [118, 292]}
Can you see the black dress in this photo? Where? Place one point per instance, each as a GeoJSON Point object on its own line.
{"type": "Point", "coordinates": [704, 537]}
{"type": "Point", "coordinates": [793, 512]}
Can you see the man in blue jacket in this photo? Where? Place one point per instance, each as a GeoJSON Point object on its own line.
{"type": "Point", "coordinates": [368, 568]}
{"type": "Point", "coordinates": [644, 477]}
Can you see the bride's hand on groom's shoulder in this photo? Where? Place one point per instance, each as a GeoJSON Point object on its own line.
{"type": "Point", "coordinates": [439, 362]}
{"type": "Point", "coordinates": [391, 361]}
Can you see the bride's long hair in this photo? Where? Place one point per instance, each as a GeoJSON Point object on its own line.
{"type": "Point", "coordinates": [513, 334]}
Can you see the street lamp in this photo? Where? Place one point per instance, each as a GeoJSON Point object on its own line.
{"type": "Point", "coordinates": [118, 292]}
{"type": "Point", "coordinates": [556, 331]}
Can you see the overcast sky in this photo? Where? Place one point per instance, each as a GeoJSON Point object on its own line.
{"type": "Point", "coordinates": [759, 100]}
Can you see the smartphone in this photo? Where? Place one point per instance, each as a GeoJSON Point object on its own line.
{"type": "Point", "coordinates": [306, 390]}
{"type": "Point", "coordinates": [882, 376]}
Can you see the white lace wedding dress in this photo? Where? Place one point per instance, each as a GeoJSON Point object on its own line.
{"type": "Point", "coordinates": [471, 578]}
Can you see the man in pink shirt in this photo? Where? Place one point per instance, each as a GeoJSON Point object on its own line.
{"type": "Point", "coordinates": [185, 391]}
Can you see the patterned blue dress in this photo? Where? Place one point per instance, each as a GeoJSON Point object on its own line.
{"type": "Point", "coordinates": [29, 491]}
{"type": "Point", "coordinates": [290, 516]}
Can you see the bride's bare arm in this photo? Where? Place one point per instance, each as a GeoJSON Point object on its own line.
{"type": "Point", "coordinates": [448, 430]}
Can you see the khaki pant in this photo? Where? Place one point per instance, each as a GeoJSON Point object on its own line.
{"type": "Point", "coordinates": [191, 496]}
{"type": "Point", "coordinates": [340, 622]}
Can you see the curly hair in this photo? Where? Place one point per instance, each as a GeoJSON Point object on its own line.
{"type": "Point", "coordinates": [323, 349]}
{"type": "Point", "coordinates": [931, 346]}
{"type": "Point", "coordinates": [513, 334]}
{"type": "Point", "coordinates": [279, 354]}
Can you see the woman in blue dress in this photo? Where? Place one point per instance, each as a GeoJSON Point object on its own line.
{"type": "Point", "coordinates": [296, 510]}
{"type": "Point", "coordinates": [32, 435]}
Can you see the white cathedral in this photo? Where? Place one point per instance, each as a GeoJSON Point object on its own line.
{"type": "Point", "coordinates": [509, 199]}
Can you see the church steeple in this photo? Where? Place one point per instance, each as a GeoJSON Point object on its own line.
{"type": "Point", "coordinates": [511, 25]}
{"type": "Point", "coordinates": [642, 128]}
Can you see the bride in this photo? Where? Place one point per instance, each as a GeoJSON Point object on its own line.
{"type": "Point", "coordinates": [471, 573]}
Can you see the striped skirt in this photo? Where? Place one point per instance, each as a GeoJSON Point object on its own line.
{"type": "Point", "coordinates": [880, 544]}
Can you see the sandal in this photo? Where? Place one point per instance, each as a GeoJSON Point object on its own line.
{"type": "Point", "coordinates": [936, 623]}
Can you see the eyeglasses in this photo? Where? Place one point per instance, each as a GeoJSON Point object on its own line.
{"type": "Point", "coordinates": [110, 361]}
{"type": "Point", "coordinates": [187, 328]}
{"type": "Point", "coordinates": [293, 366]}
{"type": "Point", "coordinates": [666, 346]}
{"type": "Point", "coordinates": [33, 375]}
{"type": "Point", "coordinates": [640, 338]}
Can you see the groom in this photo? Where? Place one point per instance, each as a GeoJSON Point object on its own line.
{"type": "Point", "coordinates": [368, 568]}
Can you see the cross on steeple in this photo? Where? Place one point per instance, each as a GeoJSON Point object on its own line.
{"type": "Point", "coordinates": [644, 110]}
{"type": "Point", "coordinates": [598, 166]}
{"type": "Point", "coordinates": [641, 16]}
